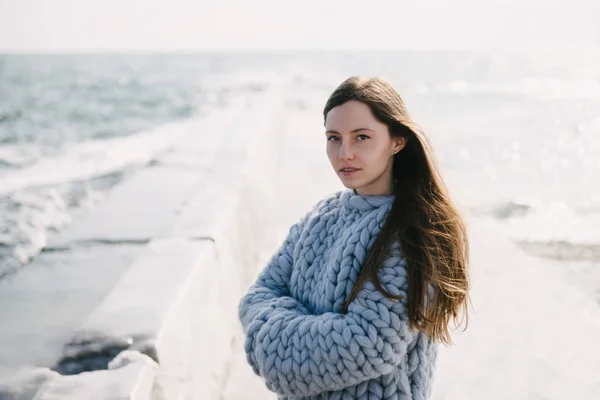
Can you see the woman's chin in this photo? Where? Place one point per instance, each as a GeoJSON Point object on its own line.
{"type": "Point", "coordinates": [348, 183]}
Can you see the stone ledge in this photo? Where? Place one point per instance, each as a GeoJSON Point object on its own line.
{"type": "Point", "coordinates": [180, 294]}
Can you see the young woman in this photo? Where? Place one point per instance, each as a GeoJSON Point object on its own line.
{"type": "Point", "coordinates": [356, 300]}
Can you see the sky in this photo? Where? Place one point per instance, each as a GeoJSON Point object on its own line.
{"type": "Point", "coordinates": [191, 25]}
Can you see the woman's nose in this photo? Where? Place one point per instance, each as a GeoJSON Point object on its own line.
{"type": "Point", "coordinates": [346, 151]}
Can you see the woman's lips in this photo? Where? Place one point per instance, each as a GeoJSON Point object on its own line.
{"type": "Point", "coordinates": [348, 173]}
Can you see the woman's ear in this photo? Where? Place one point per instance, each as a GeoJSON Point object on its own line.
{"type": "Point", "coordinates": [400, 143]}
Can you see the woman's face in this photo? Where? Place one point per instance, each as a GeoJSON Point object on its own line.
{"type": "Point", "coordinates": [356, 140]}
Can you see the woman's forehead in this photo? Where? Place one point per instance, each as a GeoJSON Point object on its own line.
{"type": "Point", "coordinates": [351, 116]}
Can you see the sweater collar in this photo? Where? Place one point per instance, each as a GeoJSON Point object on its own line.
{"type": "Point", "coordinates": [352, 200]}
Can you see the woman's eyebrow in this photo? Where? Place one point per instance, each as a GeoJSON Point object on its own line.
{"type": "Point", "coordinates": [352, 131]}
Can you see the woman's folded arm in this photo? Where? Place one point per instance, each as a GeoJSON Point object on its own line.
{"type": "Point", "coordinates": [301, 354]}
{"type": "Point", "coordinates": [270, 294]}
{"type": "Point", "coordinates": [271, 290]}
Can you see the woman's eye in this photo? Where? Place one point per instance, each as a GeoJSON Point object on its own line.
{"type": "Point", "coordinates": [331, 137]}
{"type": "Point", "coordinates": [363, 136]}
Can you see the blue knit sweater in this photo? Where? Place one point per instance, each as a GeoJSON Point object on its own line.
{"type": "Point", "coordinates": [298, 340]}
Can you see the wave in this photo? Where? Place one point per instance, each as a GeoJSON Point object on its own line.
{"type": "Point", "coordinates": [28, 216]}
{"type": "Point", "coordinates": [44, 196]}
{"type": "Point", "coordinates": [87, 160]}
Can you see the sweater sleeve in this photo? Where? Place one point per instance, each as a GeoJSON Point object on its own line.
{"type": "Point", "coordinates": [269, 295]}
{"type": "Point", "coordinates": [303, 355]}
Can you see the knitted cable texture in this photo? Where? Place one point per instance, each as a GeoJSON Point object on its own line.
{"type": "Point", "coordinates": [298, 340]}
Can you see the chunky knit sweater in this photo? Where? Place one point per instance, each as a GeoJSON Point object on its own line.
{"type": "Point", "coordinates": [297, 338]}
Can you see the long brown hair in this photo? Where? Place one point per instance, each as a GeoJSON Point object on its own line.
{"type": "Point", "coordinates": [423, 219]}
